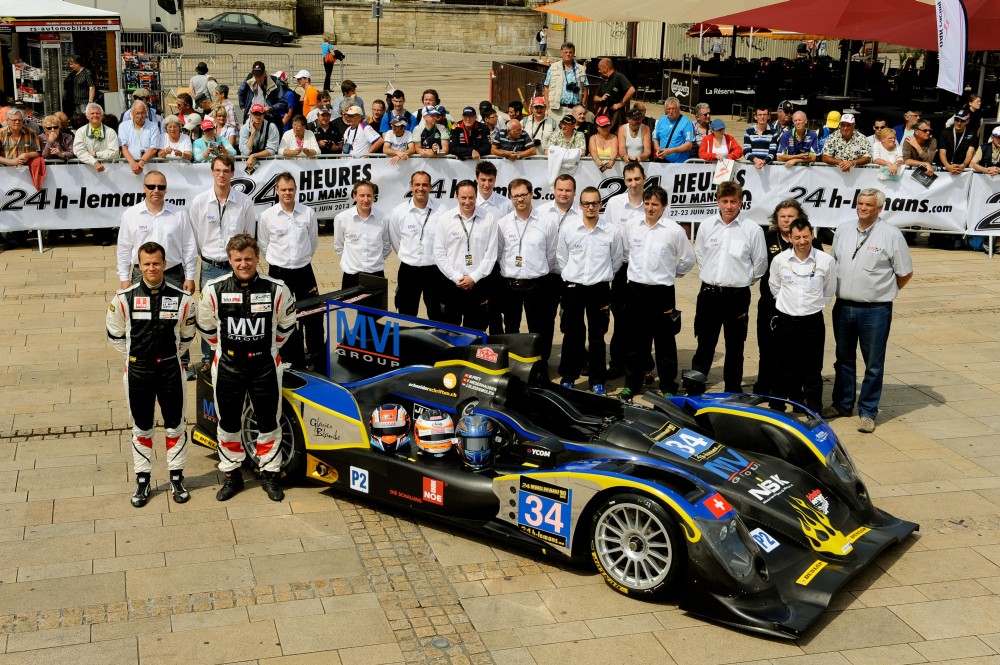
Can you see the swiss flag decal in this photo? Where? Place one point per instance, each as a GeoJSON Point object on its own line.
{"type": "Point", "coordinates": [717, 505]}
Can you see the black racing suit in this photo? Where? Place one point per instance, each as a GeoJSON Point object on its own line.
{"type": "Point", "coordinates": [246, 323]}
{"type": "Point", "coordinates": [152, 326]}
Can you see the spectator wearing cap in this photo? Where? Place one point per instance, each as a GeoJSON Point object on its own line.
{"type": "Point", "coordinates": [512, 143]}
{"type": "Point", "coordinates": [222, 99]}
{"type": "Point", "coordinates": [614, 94]}
{"type": "Point", "coordinates": [603, 144]}
{"type": "Point", "coordinates": [567, 136]}
{"type": "Point", "coordinates": [258, 138]}
{"type": "Point", "coordinates": [398, 110]}
{"type": "Point", "coordinates": [139, 138]}
{"type": "Point", "coordinates": [310, 95]}
{"type": "Point", "coordinates": [398, 143]}
{"type": "Point", "coordinates": [828, 129]}
{"type": "Point", "coordinates": [94, 143]}
{"type": "Point", "coordinates": [298, 141]}
{"type": "Point", "coordinates": [987, 157]}
{"type": "Point", "coordinates": [470, 138]}
{"type": "Point", "coordinates": [322, 99]}
{"type": "Point", "coordinates": [329, 139]}
{"type": "Point", "coordinates": [174, 143]}
{"type": "Point", "coordinates": [262, 89]}
{"type": "Point", "coordinates": [673, 136]}
{"type": "Point", "coordinates": [428, 138]}
{"type": "Point", "coordinates": [359, 140]}
{"type": "Point", "coordinates": [211, 143]}
{"type": "Point", "coordinates": [784, 114]}
{"type": "Point", "coordinates": [957, 144]}
{"type": "Point", "coordinates": [142, 95]}
{"type": "Point", "coordinates": [378, 113]}
{"type": "Point", "coordinates": [192, 125]}
{"type": "Point", "coordinates": [798, 144]}
{"type": "Point", "coordinates": [198, 85]}
{"type": "Point", "coordinates": [760, 140]}
{"type": "Point", "coordinates": [718, 144]}
{"type": "Point", "coordinates": [847, 148]}
{"type": "Point", "coordinates": [348, 97]}
{"type": "Point", "coordinates": [538, 125]}
{"type": "Point", "coordinates": [635, 140]}
{"type": "Point", "coordinates": [565, 83]}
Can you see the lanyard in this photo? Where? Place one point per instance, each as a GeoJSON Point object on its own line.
{"type": "Point", "coordinates": [222, 213]}
{"type": "Point", "coordinates": [468, 231]}
{"type": "Point", "coordinates": [520, 238]}
{"type": "Point", "coordinates": [563, 218]}
{"type": "Point", "coordinates": [862, 239]}
{"type": "Point", "coordinates": [954, 138]}
{"type": "Point", "coordinates": [426, 217]}
{"type": "Point", "coordinates": [354, 136]}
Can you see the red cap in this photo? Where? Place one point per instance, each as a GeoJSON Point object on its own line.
{"type": "Point", "coordinates": [602, 121]}
{"type": "Point", "coordinates": [257, 108]}
{"type": "Point", "coordinates": [538, 101]}
{"type": "Point", "coordinates": [208, 123]}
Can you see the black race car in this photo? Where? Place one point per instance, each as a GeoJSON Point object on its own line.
{"type": "Point", "coordinates": [742, 512]}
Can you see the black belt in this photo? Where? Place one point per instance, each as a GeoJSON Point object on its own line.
{"type": "Point", "coordinates": [218, 264]}
{"type": "Point", "coordinates": [712, 288]}
{"type": "Point", "coordinates": [855, 303]}
{"type": "Point", "coordinates": [522, 283]}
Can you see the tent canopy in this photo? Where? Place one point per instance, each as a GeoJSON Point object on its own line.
{"type": "Point", "coordinates": [13, 10]}
{"type": "Point", "coordinates": [676, 11]}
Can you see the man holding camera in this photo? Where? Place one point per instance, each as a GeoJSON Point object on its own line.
{"type": "Point", "coordinates": [565, 83]}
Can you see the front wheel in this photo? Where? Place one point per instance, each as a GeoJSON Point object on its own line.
{"type": "Point", "coordinates": [215, 37]}
{"type": "Point", "coordinates": [275, 40]}
{"type": "Point", "coordinates": [636, 546]}
{"type": "Point", "coordinates": [293, 450]}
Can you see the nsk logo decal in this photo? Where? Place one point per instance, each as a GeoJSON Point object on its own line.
{"type": "Point", "coordinates": [433, 491]}
{"type": "Point", "coordinates": [768, 488]}
{"type": "Point", "coordinates": [359, 479]}
{"type": "Point", "coordinates": [487, 354]}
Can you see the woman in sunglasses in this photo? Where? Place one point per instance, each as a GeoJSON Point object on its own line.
{"type": "Point", "coordinates": [57, 143]}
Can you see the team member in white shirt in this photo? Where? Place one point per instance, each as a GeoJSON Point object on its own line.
{"type": "Point", "coordinates": [619, 209]}
{"type": "Point", "coordinates": [659, 253]}
{"type": "Point", "coordinates": [490, 201]}
{"type": "Point", "coordinates": [527, 254]}
{"type": "Point", "coordinates": [216, 216]}
{"type": "Point", "coordinates": [411, 232]}
{"type": "Point", "coordinates": [288, 235]}
{"type": "Point", "coordinates": [154, 220]}
{"type": "Point", "coordinates": [465, 250]}
{"type": "Point", "coordinates": [589, 253]}
{"type": "Point", "coordinates": [732, 256]}
{"type": "Point", "coordinates": [803, 280]}
{"type": "Point", "coordinates": [361, 236]}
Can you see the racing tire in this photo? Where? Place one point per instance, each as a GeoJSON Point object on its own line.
{"type": "Point", "coordinates": [636, 546]}
{"type": "Point", "coordinates": [275, 40]}
{"type": "Point", "coordinates": [293, 449]}
{"type": "Point", "coordinates": [215, 37]}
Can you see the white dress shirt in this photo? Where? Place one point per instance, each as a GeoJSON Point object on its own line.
{"type": "Point", "coordinates": [802, 287]}
{"type": "Point", "coordinates": [169, 228]}
{"type": "Point", "coordinates": [656, 255]}
{"type": "Point", "coordinates": [618, 210]}
{"type": "Point", "coordinates": [549, 211]}
{"type": "Point", "coordinates": [214, 223]}
{"type": "Point", "coordinates": [361, 244]}
{"type": "Point", "coordinates": [588, 256]}
{"type": "Point", "coordinates": [733, 254]}
{"type": "Point", "coordinates": [288, 239]}
{"type": "Point", "coordinates": [527, 246]}
{"type": "Point", "coordinates": [496, 205]}
{"type": "Point", "coordinates": [465, 246]}
{"type": "Point", "coordinates": [411, 232]}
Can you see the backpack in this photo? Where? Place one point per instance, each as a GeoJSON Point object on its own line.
{"type": "Point", "coordinates": [538, 36]}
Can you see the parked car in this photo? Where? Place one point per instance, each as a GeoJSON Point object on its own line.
{"type": "Point", "coordinates": [239, 26]}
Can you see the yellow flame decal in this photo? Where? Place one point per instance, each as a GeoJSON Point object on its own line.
{"type": "Point", "coordinates": [818, 530]}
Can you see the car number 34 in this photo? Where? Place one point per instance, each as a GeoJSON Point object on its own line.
{"type": "Point", "coordinates": [543, 513]}
{"type": "Point", "coordinates": [685, 443]}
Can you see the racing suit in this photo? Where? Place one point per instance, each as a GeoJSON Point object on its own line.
{"type": "Point", "coordinates": [152, 326]}
{"type": "Point", "coordinates": [246, 323]}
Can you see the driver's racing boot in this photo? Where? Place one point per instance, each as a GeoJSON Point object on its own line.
{"type": "Point", "coordinates": [269, 481]}
{"type": "Point", "coordinates": [177, 487]}
{"type": "Point", "coordinates": [233, 485]}
{"type": "Point", "coordinates": [142, 490]}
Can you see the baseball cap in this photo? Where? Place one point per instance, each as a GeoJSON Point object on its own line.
{"type": "Point", "coordinates": [353, 110]}
{"type": "Point", "coordinates": [469, 110]}
{"type": "Point", "coordinates": [398, 122]}
{"type": "Point", "coordinates": [257, 108]}
{"type": "Point", "coordinates": [193, 121]}
{"type": "Point", "coordinates": [141, 92]}
{"type": "Point", "coordinates": [602, 121]}
{"type": "Point", "coordinates": [567, 120]}
{"type": "Point", "coordinates": [431, 110]}
{"type": "Point", "coordinates": [717, 124]}
{"type": "Point", "coordinates": [847, 119]}
{"type": "Point", "coordinates": [833, 119]}
{"type": "Point", "coordinates": [962, 115]}
{"type": "Point", "coordinates": [326, 109]}
{"type": "Point", "coordinates": [303, 74]}
{"type": "Point", "coordinates": [208, 123]}
{"type": "Point", "coordinates": [538, 101]}
{"type": "Point", "coordinates": [996, 131]}
{"type": "Point", "coordinates": [280, 75]}
{"type": "Point", "coordinates": [258, 67]}
{"type": "Point", "coordinates": [634, 114]}
{"type": "Point", "coordinates": [786, 106]}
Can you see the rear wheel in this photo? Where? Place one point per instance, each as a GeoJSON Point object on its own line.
{"type": "Point", "coordinates": [215, 36]}
{"type": "Point", "coordinates": [636, 546]}
{"type": "Point", "coordinates": [275, 40]}
{"type": "Point", "coordinates": [293, 450]}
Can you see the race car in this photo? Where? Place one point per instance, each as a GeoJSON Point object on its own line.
{"type": "Point", "coordinates": [744, 510]}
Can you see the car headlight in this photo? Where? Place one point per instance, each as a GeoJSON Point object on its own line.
{"type": "Point", "coordinates": [839, 460]}
{"type": "Point", "coordinates": [737, 551]}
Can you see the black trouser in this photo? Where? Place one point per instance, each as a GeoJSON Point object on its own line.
{"type": "Point", "coordinates": [722, 308]}
{"type": "Point", "coordinates": [535, 297]}
{"type": "Point", "coordinates": [594, 301]}
{"type": "Point", "coordinates": [496, 285]}
{"type": "Point", "coordinates": [353, 279]}
{"type": "Point", "coordinates": [328, 66]}
{"type": "Point", "coordinates": [259, 379]}
{"type": "Point", "coordinates": [619, 337]}
{"type": "Point", "coordinates": [414, 281]}
{"type": "Point", "coordinates": [799, 377]}
{"type": "Point", "coordinates": [768, 354]}
{"type": "Point", "coordinates": [151, 381]}
{"type": "Point", "coordinates": [302, 283]}
{"type": "Point", "coordinates": [647, 313]}
{"type": "Point", "coordinates": [469, 308]}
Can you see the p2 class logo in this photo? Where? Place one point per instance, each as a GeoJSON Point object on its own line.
{"type": "Point", "coordinates": [359, 479]}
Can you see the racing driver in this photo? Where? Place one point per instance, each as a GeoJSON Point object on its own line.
{"type": "Point", "coordinates": [246, 317]}
{"type": "Point", "coordinates": [152, 323]}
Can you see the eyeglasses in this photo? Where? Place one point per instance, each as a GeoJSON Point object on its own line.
{"type": "Point", "coordinates": [590, 204]}
{"type": "Point", "coordinates": [923, 129]}
{"type": "Point", "coordinates": [878, 127]}
{"type": "Point", "coordinates": [706, 114]}
{"type": "Point", "coordinates": [49, 129]}
{"type": "Point", "coordinates": [518, 197]}
{"type": "Point", "coordinates": [159, 188]}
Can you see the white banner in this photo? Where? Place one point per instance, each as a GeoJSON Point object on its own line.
{"type": "Point", "coordinates": [952, 38]}
{"type": "Point", "coordinates": [76, 196]}
{"type": "Point", "coordinates": [984, 206]}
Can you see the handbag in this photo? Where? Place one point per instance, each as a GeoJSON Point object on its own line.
{"type": "Point", "coordinates": [329, 58]}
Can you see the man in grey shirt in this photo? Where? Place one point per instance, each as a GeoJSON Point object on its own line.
{"type": "Point", "coordinates": [873, 264]}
